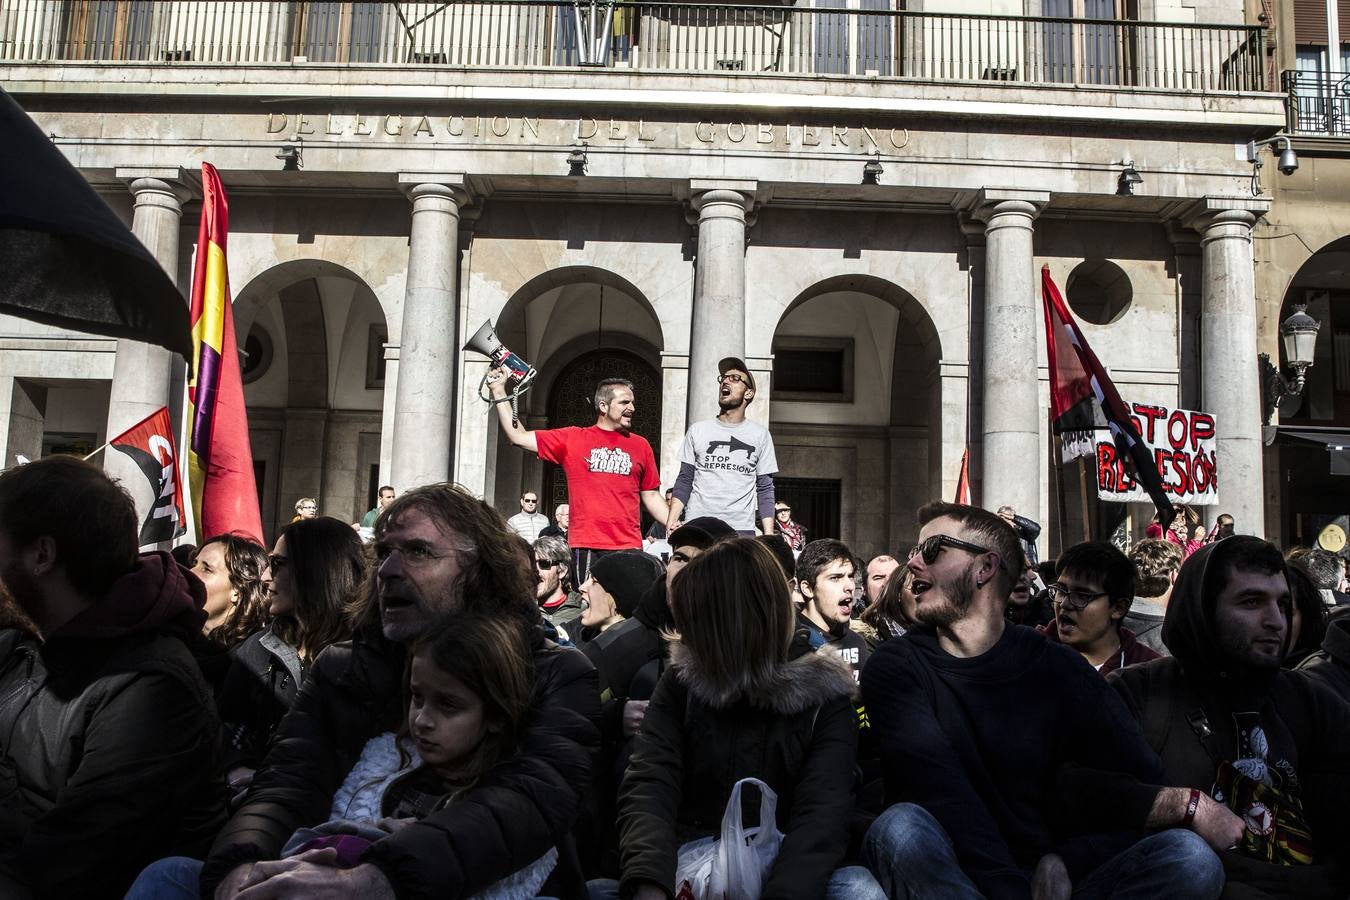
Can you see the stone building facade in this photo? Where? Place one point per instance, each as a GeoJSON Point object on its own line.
{"type": "Point", "coordinates": [855, 200]}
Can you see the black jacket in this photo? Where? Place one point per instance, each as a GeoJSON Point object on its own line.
{"type": "Point", "coordinates": [261, 683]}
{"type": "Point", "coordinates": [1307, 730]}
{"type": "Point", "coordinates": [109, 742]}
{"type": "Point", "coordinates": [522, 808]}
{"type": "Point", "coordinates": [1331, 666]}
{"type": "Point", "coordinates": [797, 735]}
{"type": "Point", "coordinates": [983, 743]}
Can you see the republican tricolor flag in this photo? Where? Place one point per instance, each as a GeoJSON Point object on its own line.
{"type": "Point", "coordinates": [220, 460]}
{"type": "Point", "coordinates": [1081, 394]}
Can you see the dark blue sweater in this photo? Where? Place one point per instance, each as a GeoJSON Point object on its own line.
{"type": "Point", "coordinates": [986, 744]}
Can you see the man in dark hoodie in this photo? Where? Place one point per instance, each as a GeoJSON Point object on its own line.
{"type": "Point", "coordinates": [1092, 593]}
{"type": "Point", "coordinates": [1331, 665]}
{"type": "Point", "coordinates": [1229, 723]}
{"type": "Point", "coordinates": [108, 735]}
{"type": "Point", "coordinates": [439, 550]}
{"type": "Point", "coordinates": [980, 722]}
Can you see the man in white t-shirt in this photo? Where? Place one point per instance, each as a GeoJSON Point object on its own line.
{"type": "Point", "coordinates": [727, 463]}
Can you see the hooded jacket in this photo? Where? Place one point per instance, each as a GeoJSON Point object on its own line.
{"type": "Point", "coordinates": [798, 734]}
{"type": "Point", "coordinates": [1331, 666]}
{"type": "Point", "coordinates": [523, 807]}
{"type": "Point", "coordinates": [109, 739]}
{"type": "Point", "coordinates": [1131, 652]}
{"type": "Point", "coordinates": [1306, 729]}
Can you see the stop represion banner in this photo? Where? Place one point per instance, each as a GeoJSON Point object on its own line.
{"type": "Point", "coordinates": [1181, 442]}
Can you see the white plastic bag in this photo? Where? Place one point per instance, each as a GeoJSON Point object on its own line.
{"type": "Point", "coordinates": [733, 866]}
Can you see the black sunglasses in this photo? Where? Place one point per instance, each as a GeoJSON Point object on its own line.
{"type": "Point", "coordinates": [547, 564]}
{"type": "Point", "coordinates": [931, 548]}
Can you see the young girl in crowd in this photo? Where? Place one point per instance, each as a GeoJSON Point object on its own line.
{"type": "Point", "coordinates": [733, 705]}
{"type": "Point", "coordinates": [316, 568]}
{"type": "Point", "coordinates": [232, 568]}
{"type": "Point", "coordinates": [468, 689]}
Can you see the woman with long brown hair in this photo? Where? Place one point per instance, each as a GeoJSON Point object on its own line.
{"type": "Point", "coordinates": [734, 705]}
{"type": "Point", "coordinates": [317, 567]}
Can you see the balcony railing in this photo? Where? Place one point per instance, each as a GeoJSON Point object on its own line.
{"type": "Point", "coordinates": [1319, 103]}
{"type": "Point", "coordinates": [804, 39]}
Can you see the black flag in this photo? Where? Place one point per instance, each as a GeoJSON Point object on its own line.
{"type": "Point", "coordinates": [66, 259]}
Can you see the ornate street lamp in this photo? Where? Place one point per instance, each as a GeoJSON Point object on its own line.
{"type": "Point", "coordinates": [1298, 333]}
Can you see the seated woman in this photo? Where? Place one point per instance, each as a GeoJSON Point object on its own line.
{"type": "Point", "coordinates": [317, 566]}
{"type": "Point", "coordinates": [233, 569]}
{"type": "Point", "coordinates": [734, 706]}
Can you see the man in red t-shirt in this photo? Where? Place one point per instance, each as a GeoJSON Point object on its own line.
{"type": "Point", "coordinates": [609, 470]}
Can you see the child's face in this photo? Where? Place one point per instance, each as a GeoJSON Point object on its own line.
{"type": "Point", "coordinates": [445, 718]}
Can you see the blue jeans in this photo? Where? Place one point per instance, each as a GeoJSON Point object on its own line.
{"type": "Point", "coordinates": [848, 883]}
{"type": "Point", "coordinates": [911, 856]}
{"type": "Point", "coordinates": [171, 878]}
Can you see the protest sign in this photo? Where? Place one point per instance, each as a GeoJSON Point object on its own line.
{"type": "Point", "coordinates": [1181, 443]}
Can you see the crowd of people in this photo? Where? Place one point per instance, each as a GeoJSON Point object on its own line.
{"type": "Point", "coordinates": [454, 710]}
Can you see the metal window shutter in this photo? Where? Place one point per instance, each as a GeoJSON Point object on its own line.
{"type": "Point", "coordinates": [1310, 20]}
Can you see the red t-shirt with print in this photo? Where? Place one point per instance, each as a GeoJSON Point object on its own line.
{"type": "Point", "coordinates": [605, 470]}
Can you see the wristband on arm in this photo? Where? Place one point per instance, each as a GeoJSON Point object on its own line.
{"type": "Point", "coordinates": [1192, 805]}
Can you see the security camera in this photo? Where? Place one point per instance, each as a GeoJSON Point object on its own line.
{"type": "Point", "coordinates": [1288, 163]}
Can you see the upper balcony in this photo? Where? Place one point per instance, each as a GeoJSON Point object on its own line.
{"type": "Point", "coordinates": [819, 40]}
{"type": "Point", "coordinates": [1318, 103]}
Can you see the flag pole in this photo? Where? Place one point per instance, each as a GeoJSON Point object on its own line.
{"type": "Point", "coordinates": [1083, 498]}
{"type": "Point", "coordinates": [1058, 469]}
{"type": "Point", "coordinates": [96, 451]}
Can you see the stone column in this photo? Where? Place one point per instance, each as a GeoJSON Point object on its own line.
{"type": "Point", "coordinates": [424, 403]}
{"type": "Point", "coordinates": [1230, 384]}
{"type": "Point", "coordinates": [674, 385]}
{"type": "Point", "coordinates": [143, 373]}
{"type": "Point", "coordinates": [718, 326]}
{"type": "Point", "coordinates": [1011, 458]}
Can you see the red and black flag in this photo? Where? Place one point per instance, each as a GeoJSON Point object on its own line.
{"type": "Point", "coordinates": [1081, 394]}
{"type": "Point", "coordinates": [149, 443]}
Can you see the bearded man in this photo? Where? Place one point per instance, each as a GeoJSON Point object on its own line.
{"type": "Point", "coordinates": [987, 731]}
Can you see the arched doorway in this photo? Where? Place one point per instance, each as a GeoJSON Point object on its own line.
{"type": "Point", "coordinates": [1314, 479]}
{"type": "Point", "coordinates": [313, 333]}
{"type": "Point", "coordinates": [856, 412]}
{"type": "Point", "coordinates": [570, 402]}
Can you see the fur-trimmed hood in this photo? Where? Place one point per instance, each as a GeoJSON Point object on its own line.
{"type": "Point", "coordinates": [793, 687]}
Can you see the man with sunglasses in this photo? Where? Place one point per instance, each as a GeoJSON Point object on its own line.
{"type": "Point", "coordinates": [529, 523]}
{"type": "Point", "coordinates": [562, 607]}
{"type": "Point", "coordinates": [727, 463]}
{"type": "Point", "coordinates": [1092, 593]}
{"type": "Point", "coordinates": [984, 726]}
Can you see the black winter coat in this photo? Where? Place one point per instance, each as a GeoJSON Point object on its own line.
{"type": "Point", "coordinates": [261, 683]}
{"type": "Point", "coordinates": [522, 808]}
{"type": "Point", "coordinates": [109, 741]}
{"type": "Point", "coordinates": [799, 736]}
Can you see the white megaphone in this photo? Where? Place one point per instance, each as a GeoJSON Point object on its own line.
{"type": "Point", "coordinates": [486, 342]}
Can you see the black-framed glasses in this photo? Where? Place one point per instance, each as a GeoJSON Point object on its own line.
{"type": "Point", "coordinates": [547, 564]}
{"type": "Point", "coordinates": [733, 377]}
{"type": "Point", "coordinates": [932, 548]}
{"type": "Point", "coordinates": [529, 499]}
{"type": "Point", "coordinates": [1072, 601]}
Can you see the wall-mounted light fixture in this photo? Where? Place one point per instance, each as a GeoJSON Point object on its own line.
{"type": "Point", "coordinates": [872, 170]}
{"type": "Point", "coordinates": [292, 158]}
{"type": "Point", "coordinates": [1129, 177]}
{"type": "Point", "coordinates": [1287, 164]}
{"type": "Point", "coordinates": [1298, 333]}
{"type": "Point", "coordinates": [576, 161]}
